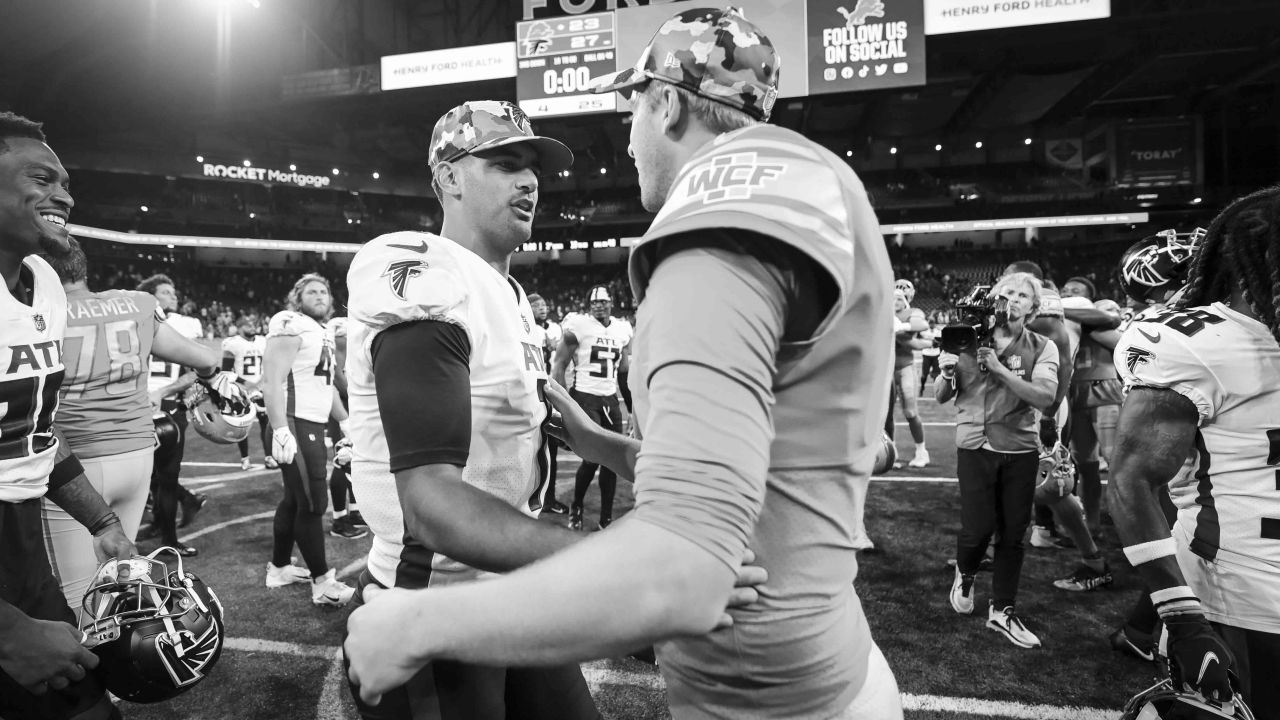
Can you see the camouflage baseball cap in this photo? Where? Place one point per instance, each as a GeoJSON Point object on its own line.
{"type": "Point", "coordinates": [482, 125]}
{"type": "Point", "coordinates": [717, 54]}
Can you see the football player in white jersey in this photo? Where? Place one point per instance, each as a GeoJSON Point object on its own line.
{"type": "Point", "coordinates": [347, 521]}
{"type": "Point", "coordinates": [549, 332]}
{"type": "Point", "coordinates": [242, 355]}
{"type": "Point", "coordinates": [43, 665]}
{"type": "Point", "coordinates": [597, 344]}
{"type": "Point", "coordinates": [1205, 377]}
{"type": "Point", "coordinates": [297, 386]}
{"type": "Point", "coordinates": [449, 485]}
{"type": "Point", "coordinates": [166, 384]}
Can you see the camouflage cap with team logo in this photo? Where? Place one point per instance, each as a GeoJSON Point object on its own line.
{"type": "Point", "coordinates": [717, 54]}
{"type": "Point", "coordinates": [481, 125]}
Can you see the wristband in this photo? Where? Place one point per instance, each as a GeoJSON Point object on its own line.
{"type": "Point", "coordinates": [1173, 601]}
{"type": "Point", "coordinates": [200, 374]}
{"type": "Point", "coordinates": [1148, 551]}
{"type": "Point", "coordinates": [103, 523]}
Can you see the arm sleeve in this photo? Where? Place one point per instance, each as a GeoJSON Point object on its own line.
{"type": "Point", "coordinates": [702, 469]}
{"type": "Point", "coordinates": [431, 424]}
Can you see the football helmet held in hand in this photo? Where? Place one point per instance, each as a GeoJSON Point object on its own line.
{"type": "Point", "coordinates": [1162, 702]}
{"type": "Point", "coordinates": [168, 434]}
{"type": "Point", "coordinates": [1156, 266]}
{"type": "Point", "coordinates": [1057, 474]}
{"type": "Point", "coordinates": [223, 419]}
{"type": "Point", "coordinates": [886, 455]}
{"type": "Point", "coordinates": [158, 631]}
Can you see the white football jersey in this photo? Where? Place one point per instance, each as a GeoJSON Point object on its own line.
{"type": "Point", "coordinates": [187, 326]}
{"type": "Point", "coordinates": [599, 352]}
{"type": "Point", "coordinates": [163, 372]}
{"type": "Point", "coordinates": [309, 384]}
{"type": "Point", "coordinates": [246, 357]}
{"type": "Point", "coordinates": [1228, 366]}
{"type": "Point", "coordinates": [406, 277]}
{"type": "Point", "coordinates": [31, 372]}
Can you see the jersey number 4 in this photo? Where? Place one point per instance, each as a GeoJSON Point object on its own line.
{"type": "Point", "coordinates": [324, 367]}
{"type": "Point", "coordinates": [19, 420]}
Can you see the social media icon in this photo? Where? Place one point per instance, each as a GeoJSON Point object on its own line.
{"type": "Point", "coordinates": [829, 74]}
{"type": "Point", "coordinates": [899, 68]}
{"type": "Point", "coordinates": [846, 72]}
{"type": "Point", "coordinates": [882, 69]}
{"type": "Point", "coordinates": [865, 71]}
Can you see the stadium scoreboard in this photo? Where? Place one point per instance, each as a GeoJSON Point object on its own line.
{"type": "Point", "coordinates": [556, 60]}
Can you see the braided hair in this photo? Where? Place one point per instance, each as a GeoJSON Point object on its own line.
{"type": "Point", "coordinates": [1241, 249]}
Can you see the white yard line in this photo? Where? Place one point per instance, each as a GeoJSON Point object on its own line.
{"type": "Point", "coordinates": [1003, 709]}
{"type": "Point", "coordinates": [228, 523]}
{"type": "Point", "coordinates": [331, 705]}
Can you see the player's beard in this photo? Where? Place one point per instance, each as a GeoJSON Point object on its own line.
{"type": "Point", "coordinates": [54, 248]}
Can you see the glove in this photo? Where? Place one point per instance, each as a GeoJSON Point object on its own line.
{"type": "Point", "coordinates": [1048, 431]}
{"type": "Point", "coordinates": [259, 402]}
{"type": "Point", "coordinates": [1198, 658]}
{"type": "Point", "coordinates": [342, 453]}
{"type": "Point", "coordinates": [283, 446]}
{"type": "Point", "coordinates": [224, 384]}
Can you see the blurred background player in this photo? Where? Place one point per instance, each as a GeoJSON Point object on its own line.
{"type": "Point", "coordinates": [1204, 377]}
{"type": "Point", "coordinates": [910, 335]}
{"type": "Point", "coordinates": [166, 383]}
{"type": "Point", "coordinates": [297, 385]}
{"type": "Point", "coordinates": [44, 668]}
{"type": "Point", "coordinates": [347, 521]}
{"type": "Point", "coordinates": [105, 414]}
{"type": "Point", "coordinates": [550, 334]}
{"type": "Point", "coordinates": [242, 355]}
{"type": "Point", "coordinates": [596, 342]}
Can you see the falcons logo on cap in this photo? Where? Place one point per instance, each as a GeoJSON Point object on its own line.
{"type": "Point", "coordinates": [400, 272]}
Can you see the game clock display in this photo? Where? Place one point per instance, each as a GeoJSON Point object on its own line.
{"type": "Point", "coordinates": [556, 60]}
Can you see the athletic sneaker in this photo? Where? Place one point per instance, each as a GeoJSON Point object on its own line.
{"type": "Point", "coordinates": [605, 522]}
{"type": "Point", "coordinates": [1007, 623]}
{"type": "Point", "coordinates": [1136, 644]}
{"type": "Point", "coordinates": [575, 518]}
{"type": "Point", "coordinates": [921, 459]}
{"type": "Point", "coordinates": [555, 507]}
{"type": "Point", "coordinates": [357, 519]}
{"type": "Point", "coordinates": [271, 463]}
{"type": "Point", "coordinates": [245, 464]}
{"type": "Point", "coordinates": [962, 593]}
{"type": "Point", "coordinates": [1042, 537]}
{"type": "Point", "coordinates": [1085, 578]}
{"type": "Point", "coordinates": [343, 527]}
{"type": "Point", "coordinates": [328, 590]}
{"type": "Point", "coordinates": [191, 506]}
{"type": "Point", "coordinates": [287, 575]}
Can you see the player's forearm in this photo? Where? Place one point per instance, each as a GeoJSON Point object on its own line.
{"type": "Point", "coordinates": [1093, 318]}
{"type": "Point", "coordinates": [614, 592]}
{"type": "Point", "coordinates": [336, 410]}
{"type": "Point", "coordinates": [1036, 393]}
{"type": "Point", "coordinates": [446, 514]}
{"type": "Point", "coordinates": [558, 370]}
{"type": "Point", "coordinates": [273, 398]}
{"type": "Point", "coordinates": [82, 503]}
{"type": "Point", "coordinates": [944, 388]}
{"type": "Point", "coordinates": [612, 450]}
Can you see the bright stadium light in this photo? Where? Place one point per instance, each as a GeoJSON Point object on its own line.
{"type": "Point", "coordinates": [247, 163]}
{"type": "Point", "coordinates": [848, 153]}
{"type": "Point", "coordinates": [1196, 201]}
{"type": "Point", "coordinates": [253, 215]}
{"type": "Point", "coordinates": [603, 171]}
{"type": "Point", "coordinates": [144, 208]}
{"type": "Point", "coordinates": [938, 147]}
{"type": "Point", "coordinates": [1026, 141]}
{"type": "Point", "coordinates": [199, 158]}
{"type": "Point", "coordinates": [376, 175]}
{"type": "Point", "coordinates": [335, 171]}
{"type": "Point", "coordinates": [293, 168]}
{"type": "Point", "coordinates": [893, 151]}
{"type": "Point", "coordinates": [978, 145]}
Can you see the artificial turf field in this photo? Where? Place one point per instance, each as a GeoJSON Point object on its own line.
{"type": "Point", "coordinates": [281, 661]}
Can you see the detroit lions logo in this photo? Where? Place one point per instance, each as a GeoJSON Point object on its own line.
{"type": "Point", "coordinates": [863, 10]}
{"type": "Point", "coordinates": [1137, 357]}
{"type": "Point", "coordinates": [401, 272]}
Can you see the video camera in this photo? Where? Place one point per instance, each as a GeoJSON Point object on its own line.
{"type": "Point", "coordinates": [980, 315]}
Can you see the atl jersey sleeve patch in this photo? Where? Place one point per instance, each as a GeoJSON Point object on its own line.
{"type": "Point", "coordinates": [405, 277]}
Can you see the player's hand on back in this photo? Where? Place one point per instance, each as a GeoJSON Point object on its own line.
{"type": "Point", "coordinates": [573, 427]}
{"type": "Point", "coordinates": [745, 592]}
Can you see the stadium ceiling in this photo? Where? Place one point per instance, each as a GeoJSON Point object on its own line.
{"type": "Point", "coordinates": [196, 75]}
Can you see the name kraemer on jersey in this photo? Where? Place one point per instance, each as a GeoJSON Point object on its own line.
{"type": "Point", "coordinates": [407, 277]}
{"type": "Point", "coordinates": [309, 385]}
{"type": "Point", "coordinates": [30, 374]}
{"type": "Point", "coordinates": [1228, 366]}
{"type": "Point", "coordinates": [599, 352]}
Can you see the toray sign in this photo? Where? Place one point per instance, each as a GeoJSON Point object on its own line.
{"type": "Point", "coordinates": [239, 172]}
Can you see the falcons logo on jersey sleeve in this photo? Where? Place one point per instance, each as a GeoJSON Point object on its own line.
{"type": "Point", "coordinates": [400, 272]}
{"type": "Point", "coordinates": [1136, 357]}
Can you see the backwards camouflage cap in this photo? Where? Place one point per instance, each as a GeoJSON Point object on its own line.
{"type": "Point", "coordinates": [487, 124]}
{"type": "Point", "coordinates": [717, 54]}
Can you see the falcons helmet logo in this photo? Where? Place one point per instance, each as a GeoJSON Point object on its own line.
{"type": "Point", "coordinates": [400, 272]}
{"type": "Point", "coordinates": [186, 656]}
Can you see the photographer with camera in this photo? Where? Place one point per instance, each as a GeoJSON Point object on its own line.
{"type": "Point", "coordinates": [999, 373]}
